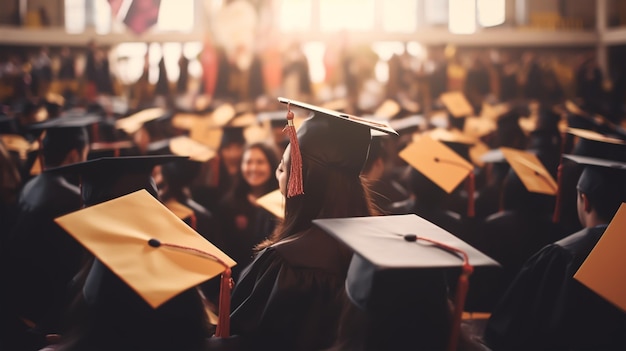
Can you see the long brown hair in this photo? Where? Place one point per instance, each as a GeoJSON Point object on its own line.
{"type": "Point", "coordinates": [328, 193]}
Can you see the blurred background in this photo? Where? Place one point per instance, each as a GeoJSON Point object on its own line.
{"type": "Point", "coordinates": [362, 50]}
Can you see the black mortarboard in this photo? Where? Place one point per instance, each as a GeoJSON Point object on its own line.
{"type": "Point", "coordinates": [109, 177]}
{"type": "Point", "coordinates": [335, 139]}
{"type": "Point", "coordinates": [8, 125]}
{"type": "Point", "coordinates": [601, 177]}
{"type": "Point", "coordinates": [63, 134]}
{"type": "Point", "coordinates": [396, 264]}
{"type": "Point", "coordinates": [593, 144]}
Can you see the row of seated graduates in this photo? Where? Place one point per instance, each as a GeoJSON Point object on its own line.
{"type": "Point", "coordinates": [509, 223]}
{"type": "Point", "coordinates": [143, 133]}
{"type": "Point", "coordinates": [420, 195]}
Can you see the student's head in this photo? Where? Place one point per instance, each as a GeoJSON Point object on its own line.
{"type": "Point", "coordinates": [334, 150]}
{"type": "Point", "coordinates": [231, 149]}
{"type": "Point", "coordinates": [258, 164]}
{"type": "Point", "coordinates": [65, 146]}
{"type": "Point", "coordinates": [601, 190]}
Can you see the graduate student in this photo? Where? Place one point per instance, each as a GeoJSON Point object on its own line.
{"type": "Point", "coordinates": [38, 258]}
{"type": "Point", "coordinates": [137, 294]}
{"type": "Point", "coordinates": [545, 308]}
{"type": "Point", "coordinates": [289, 297]}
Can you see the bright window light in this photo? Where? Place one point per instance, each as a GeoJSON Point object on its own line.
{"type": "Point", "coordinates": [462, 16]}
{"type": "Point", "coordinates": [75, 16]}
{"type": "Point", "coordinates": [386, 49]}
{"type": "Point", "coordinates": [314, 52]}
{"type": "Point", "coordinates": [295, 15]}
{"type": "Point", "coordinates": [176, 15]}
{"type": "Point", "coordinates": [102, 17]}
{"type": "Point", "coordinates": [491, 12]}
{"type": "Point", "coordinates": [399, 16]}
{"type": "Point", "coordinates": [336, 15]}
{"type": "Point", "coordinates": [416, 49]}
{"type": "Point", "coordinates": [129, 62]}
{"type": "Point", "coordinates": [436, 12]}
{"type": "Point", "coordinates": [171, 53]}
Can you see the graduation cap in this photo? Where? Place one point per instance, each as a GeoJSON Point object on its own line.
{"type": "Point", "coordinates": [531, 171]}
{"type": "Point", "coordinates": [408, 123]}
{"type": "Point", "coordinates": [601, 176]}
{"type": "Point", "coordinates": [19, 144]}
{"type": "Point", "coordinates": [62, 135]}
{"type": "Point", "coordinates": [110, 148]}
{"type": "Point", "coordinates": [274, 202]}
{"type": "Point", "coordinates": [396, 258]}
{"type": "Point", "coordinates": [594, 144]}
{"type": "Point", "coordinates": [478, 126]}
{"type": "Point", "coordinates": [181, 211]}
{"type": "Point", "coordinates": [134, 122]}
{"type": "Point", "coordinates": [109, 177]}
{"type": "Point", "coordinates": [388, 109]}
{"type": "Point", "coordinates": [441, 165]}
{"type": "Point", "coordinates": [150, 249]}
{"type": "Point", "coordinates": [332, 139]}
{"type": "Point", "coordinates": [182, 146]}
{"type": "Point", "coordinates": [456, 103]}
{"type": "Point", "coordinates": [603, 270]}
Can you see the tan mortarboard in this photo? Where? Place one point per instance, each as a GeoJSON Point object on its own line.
{"type": "Point", "coordinates": [185, 146]}
{"type": "Point", "coordinates": [134, 122]}
{"type": "Point", "coordinates": [55, 99]}
{"type": "Point", "coordinates": [202, 102]}
{"type": "Point", "coordinates": [222, 115]}
{"type": "Point", "coordinates": [595, 136]}
{"type": "Point", "coordinates": [479, 126]}
{"type": "Point", "coordinates": [477, 152]}
{"type": "Point", "coordinates": [450, 136]}
{"type": "Point", "coordinates": [133, 236]}
{"type": "Point", "coordinates": [531, 171]}
{"type": "Point", "coordinates": [494, 111]}
{"type": "Point", "coordinates": [603, 270]}
{"type": "Point", "coordinates": [437, 162]}
{"type": "Point", "coordinates": [204, 133]}
{"type": "Point", "coordinates": [186, 121]}
{"type": "Point", "coordinates": [387, 109]}
{"type": "Point", "coordinates": [19, 144]}
{"type": "Point", "coordinates": [274, 202]}
{"type": "Point", "coordinates": [573, 108]}
{"type": "Point", "coordinates": [256, 133]}
{"type": "Point", "coordinates": [457, 104]}
{"type": "Point", "coordinates": [181, 211]}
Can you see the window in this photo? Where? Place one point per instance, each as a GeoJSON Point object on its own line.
{"type": "Point", "coordinates": [462, 16]}
{"type": "Point", "coordinates": [295, 15]}
{"type": "Point", "coordinates": [336, 15]}
{"type": "Point", "coordinates": [399, 15]}
{"type": "Point", "coordinates": [75, 16]}
{"type": "Point", "coordinates": [102, 17]}
{"type": "Point", "coordinates": [491, 12]}
{"type": "Point", "coordinates": [314, 52]}
{"type": "Point", "coordinates": [176, 15]}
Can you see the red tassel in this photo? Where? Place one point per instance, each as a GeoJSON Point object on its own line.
{"type": "Point", "coordinates": [294, 186]}
{"type": "Point", "coordinates": [459, 305]}
{"type": "Point", "coordinates": [471, 184]}
{"type": "Point", "coordinates": [223, 324]}
{"type": "Point", "coordinates": [556, 216]}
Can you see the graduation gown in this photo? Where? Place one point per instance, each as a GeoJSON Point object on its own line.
{"type": "Point", "coordinates": [244, 226]}
{"type": "Point", "coordinates": [545, 308]}
{"type": "Point", "coordinates": [39, 259]}
{"type": "Point", "coordinates": [290, 297]}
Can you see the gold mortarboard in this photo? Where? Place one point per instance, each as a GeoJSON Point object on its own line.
{"type": "Point", "coordinates": [196, 151]}
{"type": "Point", "coordinates": [437, 162]}
{"type": "Point", "coordinates": [456, 103]}
{"type": "Point", "coordinates": [441, 165]}
{"type": "Point", "coordinates": [19, 144]}
{"type": "Point", "coordinates": [181, 211]}
{"type": "Point", "coordinates": [134, 122]}
{"type": "Point", "coordinates": [388, 109]}
{"type": "Point", "coordinates": [274, 202]}
{"type": "Point", "coordinates": [148, 247]}
{"type": "Point", "coordinates": [595, 136]}
{"type": "Point", "coordinates": [222, 115]}
{"type": "Point", "coordinates": [603, 270]}
{"type": "Point", "coordinates": [478, 126]}
{"type": "Point", "coordinates": [531, 171]}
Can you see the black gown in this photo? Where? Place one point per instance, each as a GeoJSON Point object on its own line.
{"type": "Point", "coordinates": [545, 308]}
{"type": "Point", "coordinates": [38, 258]}
{"type": "Point", "coordinates": [291, 296]}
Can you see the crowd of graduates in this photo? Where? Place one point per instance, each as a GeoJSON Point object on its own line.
{"type": "Point", "coordinates": [234, 139]}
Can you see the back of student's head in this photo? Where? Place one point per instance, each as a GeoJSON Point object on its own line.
{"type": "Point", "coordinates": [605, 189]}
{"type": "Point", "coordinates": [58, 143]}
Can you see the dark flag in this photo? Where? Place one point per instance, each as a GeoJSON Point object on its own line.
{"type": "Point", "coordinates": [142, 15]}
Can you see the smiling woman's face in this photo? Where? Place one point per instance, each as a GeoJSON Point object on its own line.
{"type": "Point", "coordinates": [281, 172]}
{"type": "Point", "coordinates": [255, 167]}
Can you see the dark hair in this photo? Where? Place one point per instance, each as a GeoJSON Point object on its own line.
{"type": "Point", "coordinates": [59, 142]}
{"type": "Point", "coordinates": [241, 188]}
{"type": "Point", "coordinates": [328, 193]}
{"type": "Point", "coordinates": [178, 175]}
